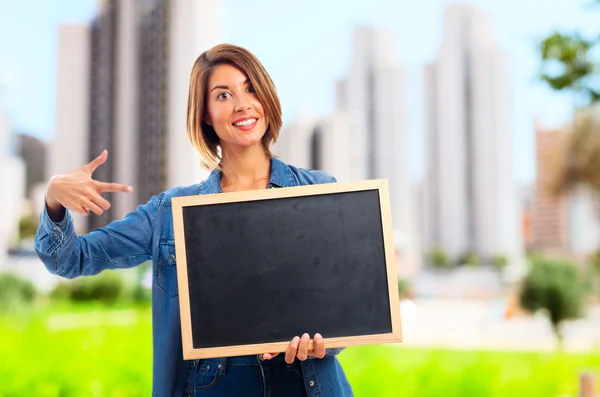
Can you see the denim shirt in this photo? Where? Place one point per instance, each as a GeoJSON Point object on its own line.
{"type": "Point", "coordinates": [147, 233]}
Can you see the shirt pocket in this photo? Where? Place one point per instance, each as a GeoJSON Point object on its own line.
{"type": "Point", "coordinates": [166, 277]}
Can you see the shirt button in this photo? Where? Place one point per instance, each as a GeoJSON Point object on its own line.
{"type": "Point", "coordinates": [55, 235]}
{"type": "Point", "coordinates": [311, 383]}
{"type": "Point", "coordinates": [172, 258]}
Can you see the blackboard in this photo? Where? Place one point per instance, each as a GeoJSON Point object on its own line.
{"type": "Point", "coordinates": [256, 268]}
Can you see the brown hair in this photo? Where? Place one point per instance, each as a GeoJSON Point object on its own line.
{"type": "Point", "coordinates": [203, 136]}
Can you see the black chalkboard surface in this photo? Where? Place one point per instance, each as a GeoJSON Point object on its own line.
{"type": "Point", "coordinates": [256, 268]}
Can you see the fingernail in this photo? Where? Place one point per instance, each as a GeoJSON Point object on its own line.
{"type": "Point", "coordinates": [296, 340]}
{"type": "Point", "coordinates": [305, 336]}
{"type": "Point", "coordinates": [318, 336]}
{"type": "Point", "coordinates": [129, 189]}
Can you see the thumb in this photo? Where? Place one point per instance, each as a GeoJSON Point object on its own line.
{"type": "Point", "coordinates": [95, 163]}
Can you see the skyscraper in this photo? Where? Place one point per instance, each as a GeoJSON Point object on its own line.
{"type": "Point", "coordinates": [69, 147]}
{"type": "Point", "coordinates": [364, 138]}
{"type": "Point", "coordinates": [471, 194]}
{"type": "Point", "coordinates": [373, 97]}
{"type": "Point", "coordinates": [138, 55]}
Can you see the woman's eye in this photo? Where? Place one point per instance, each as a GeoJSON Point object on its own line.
{"type": "Point", "coordinates": [223, 95]}
{"type": "Point", "coordinates": [250, 90]}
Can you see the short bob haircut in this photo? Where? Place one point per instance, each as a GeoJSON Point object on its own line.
{"type": "Point", "coordinates": [203, 137]}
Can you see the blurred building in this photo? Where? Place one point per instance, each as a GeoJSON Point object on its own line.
{"type": "Point", "coordinates": [33, 153]}
{"type": "Point", "coordinates": [471, 193]}
{"type": "Point", "coordinates": [561, 223]}
{"type": "Point", "coordinates": [584, 223]}
{"type": "Point", "coordinates": [133, 63]}
{"type": "Point", "coordinates": [317, 143]}
{"type": "Point", "coordinates": [365, 136]}
{"type": "Point", "coordinates": [12, 173]}
{"type": "Point", "coordinates": [69, 149]}
{"type": "Point", "coordinates": [549, 213]}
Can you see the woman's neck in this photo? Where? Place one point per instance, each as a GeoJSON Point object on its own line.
{"type": "Point", "coordinates": [244, 168]}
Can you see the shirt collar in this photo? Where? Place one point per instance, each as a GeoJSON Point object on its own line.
{"type": "Point", "coordinates": [281, 176]}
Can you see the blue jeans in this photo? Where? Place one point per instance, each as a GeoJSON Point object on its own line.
{"type": "Point", "coordinates": [247, 376]}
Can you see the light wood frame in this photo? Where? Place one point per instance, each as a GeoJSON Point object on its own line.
{"type": "Point", "coordinates": [178, 203]}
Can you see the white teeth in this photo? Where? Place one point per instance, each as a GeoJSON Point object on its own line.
{"type": "Point", "coordinates": [245, 122]}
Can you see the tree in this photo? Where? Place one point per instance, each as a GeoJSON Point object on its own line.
{"type": "Point", "coordinates": [556, 288]}
{"type": "Point", "coordinates": [568, 64]}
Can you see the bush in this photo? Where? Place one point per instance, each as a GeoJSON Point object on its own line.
{"type": "Point", "coordinates": [468, 259]}
{"type": "Point", "coordinates": [556, 288]}
{"type": "Point", "coordinates": [403, 288]}
{"type": "Point", "coordinates": [105, 287]}
{"type": "Point", "coordinates": [15, 291]}
{"type": "Point", "coordinates": [28, 226]}
{"type": "Point", "coordinates": [499, 261]}
{"type": "Point", "coordinates": [438, 259]}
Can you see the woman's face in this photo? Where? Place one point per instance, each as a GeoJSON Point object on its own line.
{"type": "Point", "coordinates": [234, 111]}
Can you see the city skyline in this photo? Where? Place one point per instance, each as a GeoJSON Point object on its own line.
{"type": "Point", "coordinates": [517, 33]}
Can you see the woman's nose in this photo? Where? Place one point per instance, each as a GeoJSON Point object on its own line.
{"type": "Point", "coordinates": [242, 105]}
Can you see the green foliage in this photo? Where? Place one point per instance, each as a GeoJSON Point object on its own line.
{"type": "Point", "coordinates": [28, 226]}
{"type": "Point", "coordinates": [438, 259]}
{"type": "Point", "coordinates": [106, 287]}
{"type": "Point", "coordinates": [403, 287]}
{"type": "Point", "coordinates": [15, 292]}
{"type": "Point", "coordinates": [567, 64]}
{"type": "Point", "coordinates": [469, 259]}
{"type": "Point", "coordinates": [556, 288]}
{"type": "Point", "coordinates": [499, 261]}
{"type": "Point", "coordinates": [594, 260]}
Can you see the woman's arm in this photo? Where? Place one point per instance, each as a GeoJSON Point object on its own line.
{"type": "Point", "coordinates": [121, 244]}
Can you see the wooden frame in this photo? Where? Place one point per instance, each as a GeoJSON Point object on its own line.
{"type": "Point", "coordinates": [178, 203]}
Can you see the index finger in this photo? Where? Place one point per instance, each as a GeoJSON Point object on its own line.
{"type": "Point", "coordinates": [113, 187]}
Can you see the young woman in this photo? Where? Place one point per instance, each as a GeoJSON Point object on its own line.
{"type": "Point", "coordinates": [233, 118]}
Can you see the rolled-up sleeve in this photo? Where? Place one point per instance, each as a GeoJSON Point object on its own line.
{"type": "Point", "coordinates": [120, 244]}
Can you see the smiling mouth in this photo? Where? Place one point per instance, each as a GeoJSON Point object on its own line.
{"type": "Point", "coordinates": [245, 123]}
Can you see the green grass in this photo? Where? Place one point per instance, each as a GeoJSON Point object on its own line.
{"type": "Point", "coordinates": [109, 357]}
{"type": "Point", "coordinates": [397, 371]}
{"type": "Point", "coordinates": [109, 354]}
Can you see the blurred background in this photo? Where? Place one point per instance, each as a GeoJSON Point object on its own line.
{"type": "Point", "coordinates": [483, 116]}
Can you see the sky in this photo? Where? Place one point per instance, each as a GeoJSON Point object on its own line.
{"type": "Point", "coordinates": [306, 47]}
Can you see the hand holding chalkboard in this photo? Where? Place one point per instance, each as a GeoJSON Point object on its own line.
{"type": "Point", "coordinates": [299, 347]}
